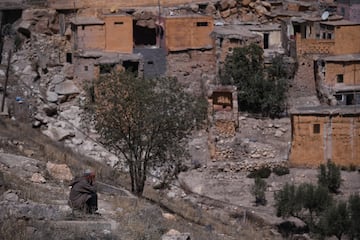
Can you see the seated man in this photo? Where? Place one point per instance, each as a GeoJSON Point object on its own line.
{"type": "Point", "coordinates": [83, 193]}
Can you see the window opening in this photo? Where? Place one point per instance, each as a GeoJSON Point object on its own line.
{"type": "Point", "coordinates": [106, 68]}
{"type": "Point", "coordinates": [350, 99]}
{"type": "Point", "coordinates": [131, 66]}
{"type": "Point", "coordinates": [144, 36]}
{"type": "Point", "coordinates": [340, 78]}
{"type": "Point", "coordinates": [69, 57]}
{"type": "Point", "coordinates": [316, 128]}
{"type": "Point", "coordinates": [202, 24]}
{"type": "Point", "coordinates": [86, 68]}
{"type": "Point", "coordinates": [266, 40]}
{"type": "Point", "coordinates": [118, 23]}
{"type": "Point", "coordinates": [338, 97]}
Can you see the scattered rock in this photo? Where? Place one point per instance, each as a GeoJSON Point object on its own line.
{"type": "Point", "coordinates": [173, 234]}
{"type": "Point", "coordinates": [66, 88]}
{"type": "Point", "coordinates": [37, 178]}
{"type": "Point", "coordinates": [59, 171]}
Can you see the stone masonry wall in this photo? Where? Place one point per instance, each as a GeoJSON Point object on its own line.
{"type": "Point", "coordinates": [193, 68]}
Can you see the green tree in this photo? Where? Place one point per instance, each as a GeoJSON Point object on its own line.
{"type": "Point", "coordinates": [354, 210]}
{"type": "Point", "coordinates": [330, 176]}
{"type": "Point", "coordinates": [258, 190]}
{"type": "Point", "coordinates": [335, 220]}
{"type": "Point", "coordinates": [287, 202]}
{"type": "Point", "coordinates": [257, 92]}
{"type": "Point", "coordinates": [305, 202]}
{"type": "Point", "coordinates": [314, 199]}
{"type": "Point", "coordinates": [144, 120]}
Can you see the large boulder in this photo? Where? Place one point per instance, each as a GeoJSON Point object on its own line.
{"type": "Point", "coordinates": [58, 133]}
{"type": "Point", "coordinates": [66, 88]}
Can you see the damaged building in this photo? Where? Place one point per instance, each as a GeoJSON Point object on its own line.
{"type": "Point", "coordinates": [224, 122]}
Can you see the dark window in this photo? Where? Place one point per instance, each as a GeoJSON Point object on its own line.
{"type": "Point", "coordinates": [131, 66]}
{"type": "Point", "coordinates": [316, 128]}
{"type": "Point", "coordinates": [329, 36]}
{"type": "Point", "coordinates": [266, 40]}
{"type": "Point", "coordinates": [150, 62]}
{"type": "Point", "coordinates": [86, 68]}
{"type": "Point", "coordinates": [340, 78]}
{"type": "Point", "coordinates": [324, 36]}
{"type": "Point", "coordinates": [350, 99]}
{"type": "Point", "coordinates": [342, 11]}
{"type": "Point", "coordinates": [69, 57]}
{"type": "Point", "coordinates": [234, 40]}
{"type": "Point", "coordinates": [118, 23]}
{"type": "Point", "coordinates": [82, 27]}
{"type": "Point", "coordinates": [106, 68]}
{"type": "Point", "coordinates": [143, 36]}
{"type": "Point", "coordinates": [339, 97]}
{"type": "Point", "coordinates": [202, 24]}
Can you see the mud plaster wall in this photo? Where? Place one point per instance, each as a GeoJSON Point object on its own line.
{"type": "Point", "coordinates": [85, 70]}
{"type": "Point", "coordinates": [69, 4]}
{"type": "Point", "coordinates": [119, 34]}
{"type": "Point", "coordinates": [350, 71]}
{"type": "Point", "coordinates": [347, 40]}
{"type": "Point", "coordinates": [338, 140]}
{"type": "Point", "coordinates": [183, 33]}
{"type": "Point", "coordinates": [91, 37]}
{"type": "Point", "coordinates": [192, 68]}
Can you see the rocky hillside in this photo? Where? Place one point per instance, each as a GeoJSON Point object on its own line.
{"type": "Point", "coordinates": [44, 145]}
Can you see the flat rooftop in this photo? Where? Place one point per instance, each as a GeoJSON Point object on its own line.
{"type": "Point", "coordinates": [343, 58]}
{"type": "Point", "coordinates": [233, 31]}
{"type": "Point", "coordinates": [347, 110]}
{"type": "Point", "coordinates": [340, 23]}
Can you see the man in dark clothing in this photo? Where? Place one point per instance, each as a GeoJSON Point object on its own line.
{"type": "Point", "coordinates": [83, 194]}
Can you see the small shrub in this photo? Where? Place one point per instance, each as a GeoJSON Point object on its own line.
{"type": "Point", "coordinates": [354, 209]}
{"type": "Point", "coordinates": [280, 171]}
{"type": "Point", "coordinates": [330, 177]}
{"type": "Point", "coordinates": [263, 172]}
{"type": "Point", "coordinates": [335, 221]}
{"type": "Point", "coordinates": [258, 191]}
{"type": "Point", "coordinates": [352, 168]}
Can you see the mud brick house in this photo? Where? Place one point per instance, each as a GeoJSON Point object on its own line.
{"type": "Point", "coordinates": [112, 33]}
{"type": "Point", "coordinates": [94, 38]}
{"type": "Point", "coordinates": [271, 39]}
{"type": "Point", "coordinates": [224, 121]}
{"type": "Point", "coordinates": [190, 57]}
{"type": "Point", "coordinates": [332, 37]}
{"type": "Point", "coordinates": [88, 33]}
{"type": "Point", "coordinates": [327, 134]}
{"type": "Point", "coordinates": [188, 32]}
{"type": "Point", "coordinates": [349, 9]}
{"type": "Point", "coordinates": [340, 77]}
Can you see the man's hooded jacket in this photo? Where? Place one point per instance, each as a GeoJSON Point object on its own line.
{"type": "Point", "coordinates": [80, 192]}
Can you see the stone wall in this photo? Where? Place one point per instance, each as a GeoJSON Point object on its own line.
{"type": "Point", "coordinates": [193, 68]}
{"type": "Point", "coordinates": [223, 122]}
